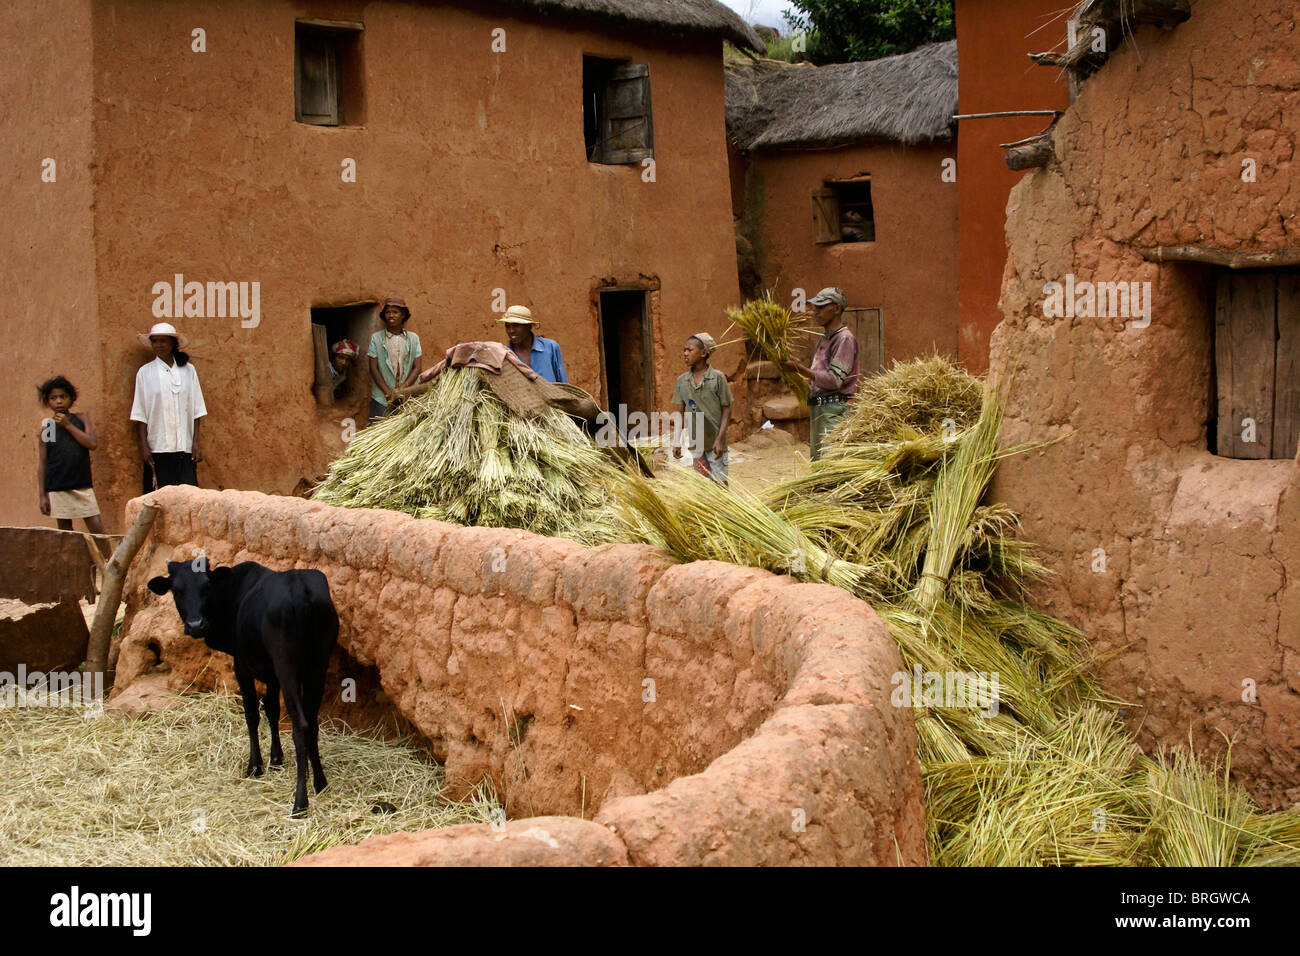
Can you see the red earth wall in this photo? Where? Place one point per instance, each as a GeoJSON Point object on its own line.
{"type": "Point", "coordinates": [47, 263]}
{"type": "Point", "coordinates": [1197, 603]}
{"type": "Point", "coordinates": [996, 75]}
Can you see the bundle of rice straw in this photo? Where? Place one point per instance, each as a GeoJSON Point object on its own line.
{"type": "Point", "coordinates": [457, 453]}
{"type": "Point", "coordinates": [1053, 777]}
{"type": "Point", "coordinates": [927, 396]}
{"type": "Point", "coordinates": [770, 327]}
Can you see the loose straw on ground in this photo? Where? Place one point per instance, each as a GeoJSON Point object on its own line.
{"type": "Point", "coordinates": [167, 790]}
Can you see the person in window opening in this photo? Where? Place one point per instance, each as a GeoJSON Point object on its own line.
{"type": "Point", "coordinates": [395, 357]}
{"type": "Point", "coordinates": [540, 354]}
{"type": "Point", "coordinates": [343, 354]}
{"type": "Point", "coordinates": [834, 372]}
{"type": "Point", "coordinates": [167, 410]}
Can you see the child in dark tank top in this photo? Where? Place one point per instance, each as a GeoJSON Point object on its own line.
{"type": "Point", "coordinates": [65, 442]}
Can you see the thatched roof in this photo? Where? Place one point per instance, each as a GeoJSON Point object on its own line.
{"type": "Point", "coordinates": [674, 16]}
{"type": "Point", "coordinates": [910, 98]}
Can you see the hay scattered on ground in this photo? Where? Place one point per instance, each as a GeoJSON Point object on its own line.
{"type": "Point", "coordinates": [167, 790]}
{"type": "Point", "coordinates": [456, 453]}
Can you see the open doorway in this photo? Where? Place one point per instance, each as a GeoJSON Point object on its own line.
{"type": "Point", "coordinates": [330, 326]}
{"type": "Point", "coordinates": [626, 350]}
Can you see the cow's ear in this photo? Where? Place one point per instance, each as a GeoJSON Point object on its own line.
{"type": "Point", "coordinates": [160, 584]}
{"type": "Point", "coordinates": [219, 576]}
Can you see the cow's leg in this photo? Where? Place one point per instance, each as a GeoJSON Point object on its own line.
{"type": "Point", "coordinates": [313, 690]}
{"type": "Point", "coordinates": [248, 691]}
{"type": "Point", "coordinates": [293, 704]}
{"type": "Point", "coordinates": [271, 704]}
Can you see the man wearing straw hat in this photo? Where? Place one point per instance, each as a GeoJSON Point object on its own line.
{"type": "Point", "coordinates": [834, 372]}
{"type": "Point", "coordinates": [167, 408]}
{"type": "Point", "coordinates": [541, 355]}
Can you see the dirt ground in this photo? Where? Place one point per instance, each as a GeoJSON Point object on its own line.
{"type": "Point", "coordinates": [767, 456]}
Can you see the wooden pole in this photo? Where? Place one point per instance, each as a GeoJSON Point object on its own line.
{"type": "Point", "coordinates": [966, 116]}
{"type": "Point", "coordinates": [1038, 153]}
{"type": "Point", "coordinates": [101, 630]}
{"type": "Point", "coordinates": [1229, 258]}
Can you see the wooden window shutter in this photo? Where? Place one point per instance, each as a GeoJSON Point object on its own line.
{"type": "Point", "coordinates": [826, 215]}
{"type": "Point", "coordinates": [1286, 392]}
{"type": "Point", "coordinates": [316, 79]}
{"type": "Point", "coordinates": [627, 133]}
{"type": "Point", "coordinates": [1245, 334]}
{"type": "Point", "coordinates": [868, 327]}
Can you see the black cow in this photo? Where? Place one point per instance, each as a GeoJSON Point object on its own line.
{"type": "Point", "coordinates": [280, 627]}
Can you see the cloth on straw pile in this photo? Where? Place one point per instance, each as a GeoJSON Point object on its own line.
{"type": "Point", "coordinates": [518, 386]}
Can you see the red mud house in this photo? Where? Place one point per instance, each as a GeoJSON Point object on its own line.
{"type": "Point", "coordinates": [292, 163]}
{"type": "Point", "coordinates": [846, 175]}
{"type": "Point", "coordinates": [1151, 306]}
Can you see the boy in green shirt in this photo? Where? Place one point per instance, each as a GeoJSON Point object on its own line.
{"type": "Point", "coordinates": [704, 397]}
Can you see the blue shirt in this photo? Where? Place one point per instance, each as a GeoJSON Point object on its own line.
{"type": "Point", "coordinates": [546, 361]}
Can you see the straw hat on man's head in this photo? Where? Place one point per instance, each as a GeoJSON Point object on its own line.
{"type": "Point", "coordinates": [518, 315]}
{"type": "Point", "coordinates": [163, 328]}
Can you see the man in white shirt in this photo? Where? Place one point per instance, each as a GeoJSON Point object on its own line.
{"type": "Point", "coordinates": [167, 408]}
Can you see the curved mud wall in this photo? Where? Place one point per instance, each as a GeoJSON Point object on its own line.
{"type": "Point", "coordinates": [699, 713]}
{"type": "Point", "coordinates": [1198, 596]}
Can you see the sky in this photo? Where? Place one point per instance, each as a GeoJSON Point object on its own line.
{"type": "Point", "coordinates": [766, 12]}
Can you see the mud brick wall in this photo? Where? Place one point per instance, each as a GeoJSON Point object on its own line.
{"type": "Point", "coordinates": [700, 713]}
{"type": "Point", "coordinates": [1182, 566]}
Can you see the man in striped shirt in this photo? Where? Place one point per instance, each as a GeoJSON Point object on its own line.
{"type": "Point", "coordinates": [834, 371]}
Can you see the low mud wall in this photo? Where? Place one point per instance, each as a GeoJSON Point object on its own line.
{"type": "Point", "coordinates": [654, 713]}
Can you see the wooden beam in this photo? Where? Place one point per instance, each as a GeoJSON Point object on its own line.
{"type": "Point", "coordinates": [966, 116]}
{"type": "Point", "coordinates": [1228, 258]}
{"type": "Point", "coordinates": [101, 630]}
{"type": "Point", "coordinates": [1037, 153]}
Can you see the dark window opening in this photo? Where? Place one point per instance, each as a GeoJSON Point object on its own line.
{"type": "Point", "coordinates": [617, 126]}
{"type": "Point", "coordinates": [327, 74]}
{"type": "Point", "coordinates": [842, 212]}
{"type": "Point", "coordinates": [626, 349]}
{"type": "Point", "coordinates": [329, 326]}
{"type": "Point", "coordinates": [1255, 391]}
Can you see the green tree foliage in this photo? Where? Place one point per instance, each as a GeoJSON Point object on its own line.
{"type": "Point", "coordinates": [843, 30]}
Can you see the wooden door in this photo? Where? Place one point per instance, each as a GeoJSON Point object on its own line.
{"type": "Point", "coordinates": [868, 327]}
{"type": "Point", "coordinates": [1245, 350]}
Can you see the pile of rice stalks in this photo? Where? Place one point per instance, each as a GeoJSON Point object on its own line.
{"type": "Point", "coordinates": [893, 514]}
{"type": "Point", "coordinates": [167, 790]}
{"type": "Point", "coordinates": [456, 453]}
{"type": "Point", "coordinates": [771, 328]}
{"type": "Point", "coordinates": [922, 397]}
